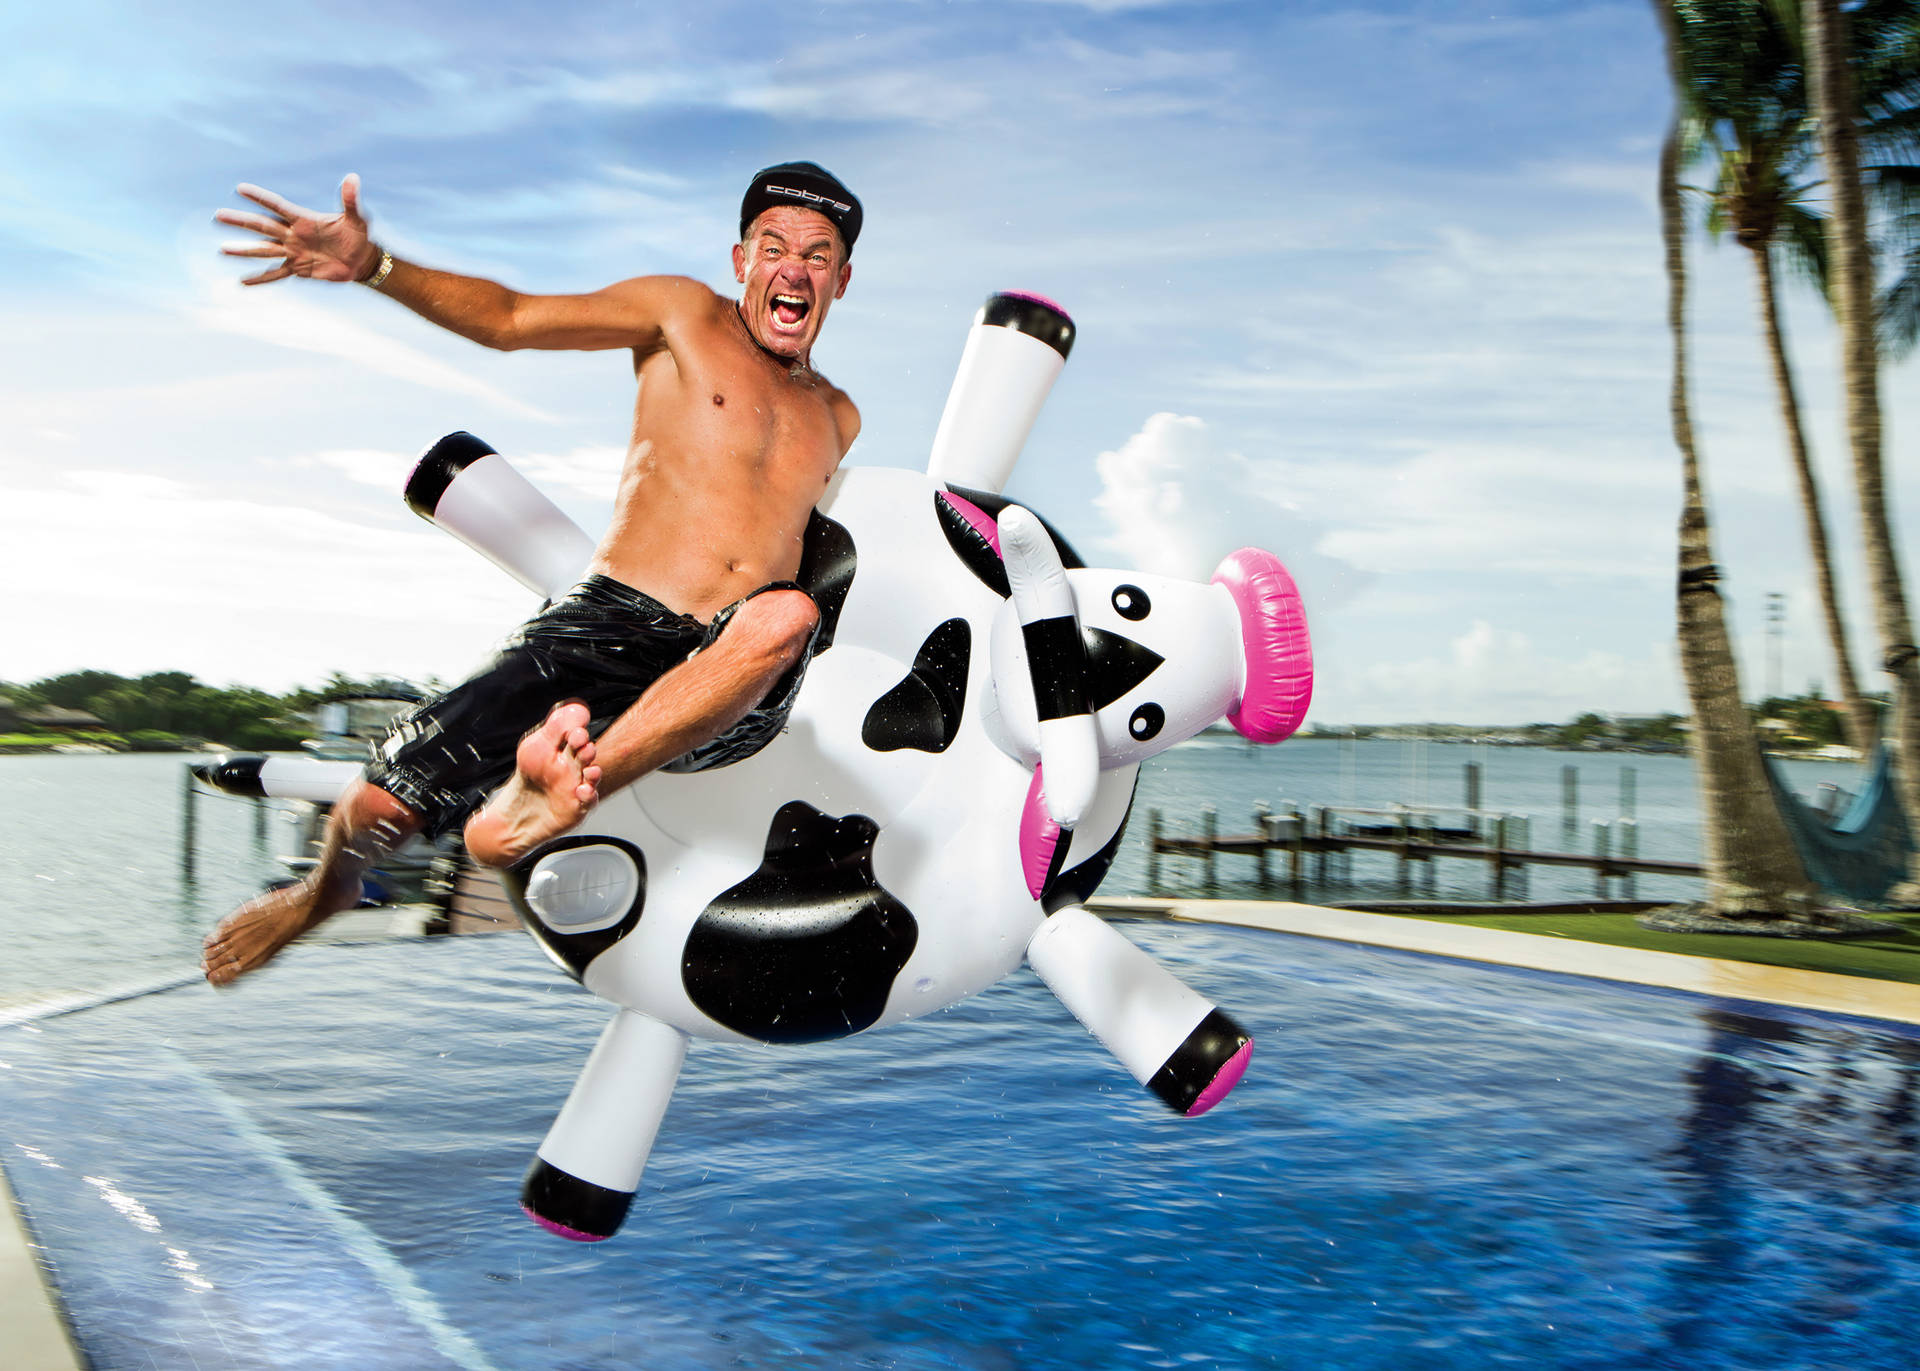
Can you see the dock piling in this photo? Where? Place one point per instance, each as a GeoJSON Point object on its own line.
{"type": "Point", "coordinates": [1210, 830]}
{"type": "Point", "coordinates": [1520, 836]}
{"type": "Point", "coordinates": [188, 799]}
{"type": "Point", "coordinates": [1629, 846]}
{"type": "Point", "coordinates": [1601, 870]}
{"type": "Point", "coordinates": [1569, 800]}
{"type": "Point", "coordinates": [1497, 836]}
{"type": "Point", "coordinates": [1297, 854]}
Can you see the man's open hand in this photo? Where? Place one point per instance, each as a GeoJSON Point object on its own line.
{"type": "Point", "coordinates": [326, 247]}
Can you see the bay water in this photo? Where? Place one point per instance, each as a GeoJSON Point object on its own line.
{"type": "Point", "coordinates": [95, 894]}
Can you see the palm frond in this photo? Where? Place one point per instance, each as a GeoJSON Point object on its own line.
{"type": "Point", "coordinates": [1802, 244]}
{"type": "Point", "coordinates": [1899, 311]}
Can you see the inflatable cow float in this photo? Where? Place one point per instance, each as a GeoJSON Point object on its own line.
{"type": "Point", "coordinates": [952, 784]}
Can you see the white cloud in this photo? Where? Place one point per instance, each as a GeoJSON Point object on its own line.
{"type": "Point", "coordinates": [367, 466]}
{"type": "Point", "coordinates": [1520, 510]}
{"type": "Point", "coordinates": [589, 471]}
{"type": "Point", "coordinates": [271, 594]}
{"type": "Point", "coordinates": [1496, 675]}
{"type": "Point", "coordinates": [286, 318]}
{"type": "Point", "coordinates": [1177, 504]}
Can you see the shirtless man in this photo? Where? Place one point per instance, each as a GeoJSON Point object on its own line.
{"type": "Point", "coordinates": [734, 437]}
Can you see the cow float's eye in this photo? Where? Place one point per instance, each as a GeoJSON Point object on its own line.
{"type": "Point", "coordinates": [1131, 602]}
{"type": "Point", "coordinates": [1147, 721]}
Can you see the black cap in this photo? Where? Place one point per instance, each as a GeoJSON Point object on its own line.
{"type": "Point", "coordinates": [808, 185]}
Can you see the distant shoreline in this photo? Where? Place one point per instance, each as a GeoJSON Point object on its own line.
{"type": "Point", "coordinates": [17, 747]}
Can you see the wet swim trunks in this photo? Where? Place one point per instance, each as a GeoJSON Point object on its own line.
{"type": "Point", "coordinates": [604, 643]}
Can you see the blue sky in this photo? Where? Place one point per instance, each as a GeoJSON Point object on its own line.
{"type": "Point", "coordinates": [1376, 287]}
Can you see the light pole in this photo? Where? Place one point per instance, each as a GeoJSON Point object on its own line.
{"type": "Point", "coordinates": [1776, 631]}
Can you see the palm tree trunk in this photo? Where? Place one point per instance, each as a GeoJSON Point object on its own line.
{"type": "Point", "coordinates": [1860, 719]}
{"type": "Point", "coordinates": [1751, 866]}
{"type": "Point", "coordinates": [1853, 307]}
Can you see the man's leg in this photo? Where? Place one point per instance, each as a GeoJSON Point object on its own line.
{"type": "Point", "coordinates": [694, 703]}
{"type": "Point", "coordinates": [366, 824]}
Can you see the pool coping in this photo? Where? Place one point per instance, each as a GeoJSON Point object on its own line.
{"type": "Point", "coordinates": [1826, 991]}
{"type": "Point", "coordinates": [29, 1310]}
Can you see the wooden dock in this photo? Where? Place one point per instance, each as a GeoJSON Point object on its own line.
{"type": "Point", "coordinates": [472, 899]}
{"type": "Point", "coordinates": [1409, 835]}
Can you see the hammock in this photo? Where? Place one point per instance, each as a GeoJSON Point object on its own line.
{"type": "Point", "coordinates": [1860, 854]}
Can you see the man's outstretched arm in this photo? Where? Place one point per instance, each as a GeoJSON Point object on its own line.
{"type": "Point", "coordinates": [338, 247]}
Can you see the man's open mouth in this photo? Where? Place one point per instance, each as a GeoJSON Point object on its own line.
{"type": "Point", "coordinates": [789, 310]}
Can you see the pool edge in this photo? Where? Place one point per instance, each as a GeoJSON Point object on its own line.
{"type": "Point", "coordinates": [29, 1309]}
{"type": "Point", "coordinates": [1819, 990]}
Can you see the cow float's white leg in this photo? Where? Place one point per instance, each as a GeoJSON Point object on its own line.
{"type": "Point", "coordinates": [586, 1171]}
{"type": "Point", "coordinates": [1172, 1040]}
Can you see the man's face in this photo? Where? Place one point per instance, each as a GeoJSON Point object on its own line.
{"type": "Point", "coordinates": [794, 269]}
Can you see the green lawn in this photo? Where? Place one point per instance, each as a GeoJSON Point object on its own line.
{"type": "Point", "coordinates": [1890, 957]}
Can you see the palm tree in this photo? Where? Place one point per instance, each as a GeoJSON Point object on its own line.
{"type": "Point", "coordinates": [1853, 306]}
{"type": "Point", "coordinates": [1753, 871]}
{"type": "Point", "coordinates": [1743, 100]}
{"type": "Point", "coordinates": [1884, 39]}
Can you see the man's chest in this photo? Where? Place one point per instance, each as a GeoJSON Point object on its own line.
{"type": "Point", "coordinates": [775, 420]}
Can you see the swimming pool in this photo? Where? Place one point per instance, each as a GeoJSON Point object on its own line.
{"type": "Point", "coordinates": [1430, 1164]}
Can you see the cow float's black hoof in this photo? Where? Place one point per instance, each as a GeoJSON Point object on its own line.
{"type": "Point", "coordinates": [1205, 1067]}
{"type": "Point", "coordinates": [575, 1209]}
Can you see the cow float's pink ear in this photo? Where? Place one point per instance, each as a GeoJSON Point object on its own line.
{"type": "Point", "coordinates": [1273, 632]}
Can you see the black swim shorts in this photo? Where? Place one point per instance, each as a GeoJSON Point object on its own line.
{"type": "Point", "coordinates": [604, 643]}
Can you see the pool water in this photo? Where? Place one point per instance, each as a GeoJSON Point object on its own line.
{"type": "Point", "coordinates": [1430, 1164]}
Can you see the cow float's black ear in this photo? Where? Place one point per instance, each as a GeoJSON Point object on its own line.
{"type": "Point", "coordinates": [968, 518]}
{"type": "Point", "coordinates": [971, 535]}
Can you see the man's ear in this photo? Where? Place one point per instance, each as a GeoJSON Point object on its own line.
{"type": "Point", "coordinates": [740, 263]}
{"type": "Point", "coordinates": [846, 275]}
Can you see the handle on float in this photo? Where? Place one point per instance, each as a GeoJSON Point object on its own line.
{"type": "Point", "coordinates": [1057, 662]}
{"type": "Point", "coordinates": [1014, 353]}
{"type": "Point", "coordinates": [464, 486]}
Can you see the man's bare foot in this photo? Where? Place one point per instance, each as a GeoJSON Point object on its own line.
{"type": "Point", "coordinates": [249, 937]}
{"type": "Point", "coordinates": [554, 784]}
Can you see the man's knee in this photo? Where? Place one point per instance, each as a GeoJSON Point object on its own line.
{"type": "Point", "coordinates": [776, 624]}
{"type": "Point", "coordinates": [365, 808]}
